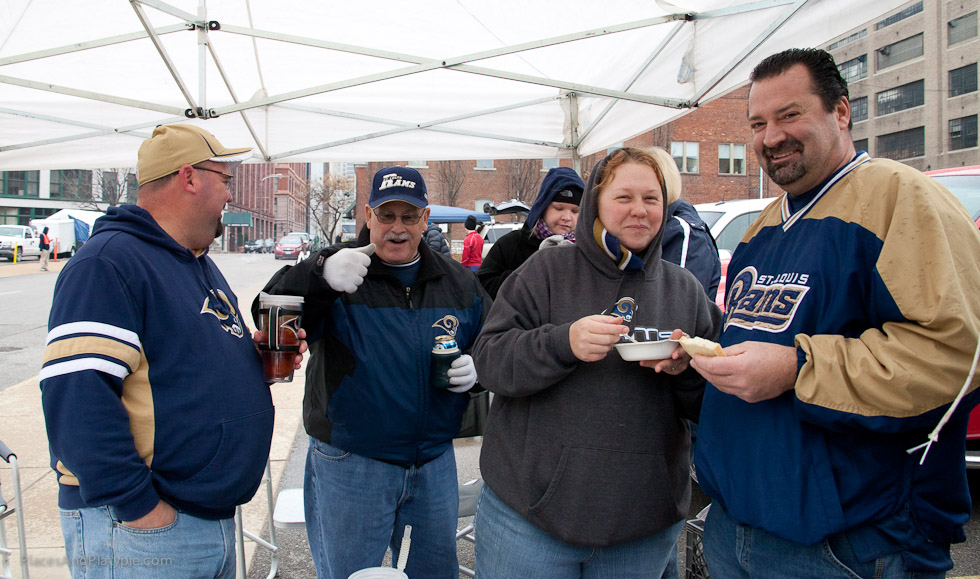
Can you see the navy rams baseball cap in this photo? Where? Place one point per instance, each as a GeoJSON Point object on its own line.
{"type": "Point", "coordinates": [398, 184]}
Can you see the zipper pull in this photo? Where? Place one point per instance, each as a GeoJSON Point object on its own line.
{"type": "Point", "coordinates": [408, 297]}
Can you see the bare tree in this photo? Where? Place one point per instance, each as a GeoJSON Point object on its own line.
{"type": "Point", "coordinates": [110, 186]}
{"type": "Point", "coordinates": [589, 163]}
{"type": "Point", "coordinates": [451, 175]}
{"type": "Point", "coordinates": [523, 178]}
{"type": "Point", "coordinates": [115, 183]}
{"type": "Point", "coordinates": [328, 200]}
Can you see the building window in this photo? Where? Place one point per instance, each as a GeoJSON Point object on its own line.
{"type": "Point", "coordinates": [963, 133]}
{"type": "Point", "coordinates": [845, 41]}
{"type": "Point", "coordinates": [854, 69]}
{"type": "Point", "coordinates": [71, 184]}
{"type": "Point", "coordinates": [861, 145]}
{"type": "Point", "coordinates": [481, 205]}
{"type": "Point", "coordinates": [900, 51]}
{"type": "Point", "coordinates": [963, 80]}
{"type": "Point", "coordinates": [20, 183]}
{"type": "Point", "coordinates": [902, 97]}
{"type": "Point", "coordinates": [685, 154]}
{"type": "Point", "coordinates": [418, 165]}
{"type": "Point", "coordinates": [903, 144]}
{"type": "Point", "coordinates": [548, 164]}
{"type": "Point", "coordinates": [731, 159]}
{"type": "Point", "coordinates": [859, 109]}
{"type": "Point", "coordinates": [962, 28]}
{"type": "Point", "coordinates": [484, 164]}
{"type": "Point", "coordinates": [899, 16]}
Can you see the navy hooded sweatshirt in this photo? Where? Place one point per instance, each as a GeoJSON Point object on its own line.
{"type": "Point", "coordinates": [151, 385]}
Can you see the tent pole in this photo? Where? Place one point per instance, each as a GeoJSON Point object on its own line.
{"type": "Point", "coordinates": [202, 57]}
{"type": "Point", "coordinates": [573, 131]}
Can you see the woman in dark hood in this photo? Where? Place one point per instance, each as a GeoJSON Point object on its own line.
{"type": "Point", "coordinates": [585, 455]}
{"type": "Point", "coordinates": [554, 212]}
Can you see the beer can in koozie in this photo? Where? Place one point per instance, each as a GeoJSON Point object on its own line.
{"type": "Point", "coordinates": [444, 352]}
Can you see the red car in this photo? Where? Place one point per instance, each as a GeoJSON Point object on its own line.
{"type": "Point", "coordinates": [290, 247]}
{"type": "Point", "coordinates": [964, 183]}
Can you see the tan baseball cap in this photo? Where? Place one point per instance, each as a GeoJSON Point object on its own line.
{"type": "Point", "coordinates": [170, 147]}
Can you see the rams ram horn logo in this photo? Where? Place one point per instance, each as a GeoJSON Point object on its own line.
{"type": "Point", "coordinates": [625, 308]}
{"type": "Point", "coordinates": [449, 324]}
{"type": "Point", "coordinates": [225, 312]}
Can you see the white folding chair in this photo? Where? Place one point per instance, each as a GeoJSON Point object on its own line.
{"type": "Point", "coordinates": [289, 513]}
{"type": "Point", "coordinates": [241, 533]}
{"type": "Point", "coordinates": [469, 495]}
{"type": "Point", "coordinates": [5, 511]}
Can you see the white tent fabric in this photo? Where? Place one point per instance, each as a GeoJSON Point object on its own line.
{"type": "Point", "coordinates": [82, 83]}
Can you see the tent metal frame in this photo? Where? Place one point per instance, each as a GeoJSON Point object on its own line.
{"type": "Point", "coordinates": [197, 107]}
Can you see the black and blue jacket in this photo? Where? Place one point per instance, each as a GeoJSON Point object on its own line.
{"type": "Point", "coordinates": [689, 244]}
{"type": "Point", "coordinates": [367, 380]}
{"type": "Point", "coordinates": [151, 385]}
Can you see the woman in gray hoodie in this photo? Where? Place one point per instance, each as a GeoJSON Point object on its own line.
{"type": "Point", "coordinates": [585, 455]}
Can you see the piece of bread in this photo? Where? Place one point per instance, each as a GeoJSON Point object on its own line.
{"type": "Point", "coordinates": [701, 347]}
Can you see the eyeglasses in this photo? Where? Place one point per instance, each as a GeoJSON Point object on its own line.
{"type": "Point", "coordinates": [388, 217]}
{"type": "Point", "coordinates": [230, 177]}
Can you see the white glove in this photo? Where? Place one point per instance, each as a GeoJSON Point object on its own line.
{"type": "Point", "coordinates": [554, 241]}
{"type": "Point", "coordinates": [345, 270]}
{"type": "Point", "coordinates": [462, 374]}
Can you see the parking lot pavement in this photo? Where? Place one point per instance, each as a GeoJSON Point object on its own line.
{"type": "Point", "coordinates": [9, 269]}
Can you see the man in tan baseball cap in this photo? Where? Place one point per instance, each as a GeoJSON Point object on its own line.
{"type": "Point", "coordinates": [172, 146]}
{"type": "Point", "coordinates": [184, 173]}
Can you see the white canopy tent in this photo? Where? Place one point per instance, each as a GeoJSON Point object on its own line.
{"type": "Point", "coordinates": [82, 83]}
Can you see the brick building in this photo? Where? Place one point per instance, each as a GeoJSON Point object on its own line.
{"type": "Point", "coordinates": [275, 195]}
{"type": "Point", "coordinates": [712, 146]}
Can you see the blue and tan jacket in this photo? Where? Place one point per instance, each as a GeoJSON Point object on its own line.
{"type": "Point", "coordinates": [151, 385]}
{"type": "Point", "coordinates": [876, 284]}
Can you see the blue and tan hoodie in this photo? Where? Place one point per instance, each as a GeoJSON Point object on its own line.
{"type": "Point", "coordinates": [151, 386]}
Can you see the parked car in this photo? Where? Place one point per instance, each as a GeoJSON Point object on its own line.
{"type": "Point", "coordinates": [494, 231]}
{"type": "Point", "coordinates": [255, 246]}
{"type": "Point", "coordinates": [290, 246]}
{"type": "Point", "coordinates": [964, 183]}
{"type": "Point", "coordinates": [728, 222]}
{"type": "Point", "coordinates": [302, 235]}
{"type": "Point", "coordinates": [268, 245]}
{"type": "Point", "coordinates": [22, 239]}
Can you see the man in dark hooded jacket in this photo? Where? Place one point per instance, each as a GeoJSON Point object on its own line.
{"type": "Point", "coordinates": [436, 240]}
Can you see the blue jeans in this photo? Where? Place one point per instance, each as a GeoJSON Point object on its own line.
{"type": "Point", "coordinates": [99, 546]}
{"type": "Point", "coordinates": [509, 547]}
{"type": "Point", "coordinates": [735, 551]}
{"type": "Point", "coordinates": [357, 507]}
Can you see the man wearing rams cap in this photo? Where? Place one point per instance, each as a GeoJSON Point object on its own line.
{"type": "Point", "coordinates": [380, 420]}
{"type": "Point", "coordinates": [157, 411]}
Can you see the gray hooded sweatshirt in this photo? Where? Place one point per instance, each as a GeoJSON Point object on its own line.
{"type": "Point", "coordinates": [593, 453]}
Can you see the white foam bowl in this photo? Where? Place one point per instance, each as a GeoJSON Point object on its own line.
{"type": "Point", "coordinates": [636, 351]}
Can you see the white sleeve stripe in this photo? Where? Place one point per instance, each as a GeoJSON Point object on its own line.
{"type": "Point", "coordinates": [82, 364]}
{"type": "Point", "coordinates": [99, 328]}
{"type": "Point", "coordinates": [686, 228]}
